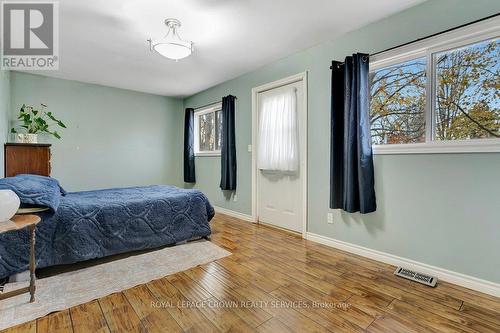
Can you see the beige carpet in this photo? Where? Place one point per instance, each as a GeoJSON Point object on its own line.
{"type": "Point", "coordinates": [66, 290]}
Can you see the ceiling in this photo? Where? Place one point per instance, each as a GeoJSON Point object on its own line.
{"type": "Point", "coordinates": [104, 42]}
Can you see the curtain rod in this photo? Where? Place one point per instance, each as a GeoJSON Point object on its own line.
{"type": "Point", "coordinates": [429, 36]}
{"type": "Point", "coordinates": [210, 104]}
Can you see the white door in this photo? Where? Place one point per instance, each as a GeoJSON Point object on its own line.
{"type": "Point", "coordinates": [280, 194]}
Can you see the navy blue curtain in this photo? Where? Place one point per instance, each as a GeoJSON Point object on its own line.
{"type": "Point", "coordinates": [189, 174]}
{"type": "Point", "coordinates": [351, 162]}
{"type": "Point", "coordinates": [228, 147]}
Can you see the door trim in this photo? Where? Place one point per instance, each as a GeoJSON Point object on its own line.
{"type": "Point", "coordinates": [301, 77]}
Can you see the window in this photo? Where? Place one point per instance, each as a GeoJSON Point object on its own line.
{"type": "Point", "coordinates": [468, 92]}
{"type": "Point", "coordinates": [208, 131]}
{"type": "Point", "coordinates": [398, 103]}
{"type": "Point", "coordinates": [278, 131]}
{"type": "Point", "coordinates": [439, 95]}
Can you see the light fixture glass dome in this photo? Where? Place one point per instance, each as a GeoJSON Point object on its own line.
{"type": "Point", "coordinates": [172, 46]}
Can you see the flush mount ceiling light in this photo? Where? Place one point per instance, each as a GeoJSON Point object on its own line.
{"type": "Point", "coordinates": [172, 46]}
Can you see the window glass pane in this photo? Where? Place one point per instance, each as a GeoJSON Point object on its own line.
{"type": "Point", "coordinates": [468, 92]}
{"type": "Point", "coordinates": [398, 103]}
{"type": "Point", "coordinates": [218, 130]}
{"type": "Point", "coordinates": [206, 132]}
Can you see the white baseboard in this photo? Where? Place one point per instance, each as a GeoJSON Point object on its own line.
{"type": "Point", "coordinates": [460, 279]}
{"type": "Point", "coordinates": [232, 213]}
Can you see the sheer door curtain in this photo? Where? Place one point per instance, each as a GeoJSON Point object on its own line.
{"type": "Point", "coordinates": [278, 131]}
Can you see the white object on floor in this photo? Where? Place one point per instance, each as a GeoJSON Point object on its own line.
{"type": "Point", "coordinates": [9, 204]}
{"type": "Point", "coordinates": [416, 276]}
{"type": "Point", "coordinates": [66, 290]}
{"type": "Point", "coordinates": [20, 277]}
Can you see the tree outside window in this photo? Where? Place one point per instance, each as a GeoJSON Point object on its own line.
{"type": "Point", "coordinates": [466, 96]}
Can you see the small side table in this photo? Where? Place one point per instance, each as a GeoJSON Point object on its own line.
{"type": "Point", "coordinates": [16, 223]}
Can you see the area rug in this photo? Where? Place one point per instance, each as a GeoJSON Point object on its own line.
{"type": "Point", "coordinates": [69, 289]}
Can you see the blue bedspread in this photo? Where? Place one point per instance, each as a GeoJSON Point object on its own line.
{"type": "Point", "coordinates": [96, 224]}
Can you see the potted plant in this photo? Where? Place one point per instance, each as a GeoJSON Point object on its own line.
{"type": "Point", "coordinates": [34, 122]}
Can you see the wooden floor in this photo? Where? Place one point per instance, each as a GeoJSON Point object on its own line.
{"type": "Point", "coordinates": [277, 282]}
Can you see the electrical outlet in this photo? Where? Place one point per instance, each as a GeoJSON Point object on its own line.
{"type": "Point", "coordinates": [235, 197]}
{"type": "Point", "coordinates": [249, 147]}
{"type": "Point", "coordinates": [330, 218]}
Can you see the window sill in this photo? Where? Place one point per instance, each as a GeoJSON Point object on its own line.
{"type": "Point", "coordinates": [485, 146]}
{"type": "Point", "coordinates": [211, 153]}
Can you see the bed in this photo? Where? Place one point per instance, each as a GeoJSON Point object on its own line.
{"type": "Point", "coordinates": [93, 224]}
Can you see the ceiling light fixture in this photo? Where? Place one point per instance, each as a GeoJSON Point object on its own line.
{"type": "Point", "coordinates": [172, 46]}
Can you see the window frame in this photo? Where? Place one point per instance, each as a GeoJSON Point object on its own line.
{"type": "Point", "coordinates": [428, 48]}
{"type": "Point", "coordinates": [197, 113]}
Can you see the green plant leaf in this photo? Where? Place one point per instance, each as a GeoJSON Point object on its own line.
{"type": "Point", "coordinates": [40, 121]}
{"type": "Point", "coordinates": [13, 130]}
{"type": "Point", "coordinates": [56, 135]}
{"type": "Point", "coordinates": [60, 123]}
{"type": "Point", "coordinates": [49, 114]}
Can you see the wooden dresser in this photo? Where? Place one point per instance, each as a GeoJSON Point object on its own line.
{"type": "Point", "coordinates": [27, 158]}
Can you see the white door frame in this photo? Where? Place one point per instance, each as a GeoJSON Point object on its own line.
{"type": "Point", "coordinates": [301, 77]}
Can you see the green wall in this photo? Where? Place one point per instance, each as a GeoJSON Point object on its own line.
{"type": "Point", "coordinates": [437, 209]}
{"type": "Point", "coordinates": [115, 137]}
{"type": "Point", "coordinates": [4, 112]}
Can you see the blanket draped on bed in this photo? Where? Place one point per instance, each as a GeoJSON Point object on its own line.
{"type": "Point", "coordinates": [96, 224]}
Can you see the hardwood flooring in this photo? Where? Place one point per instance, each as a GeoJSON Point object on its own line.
{"type": "Point", "coordinates": [278, 282]}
